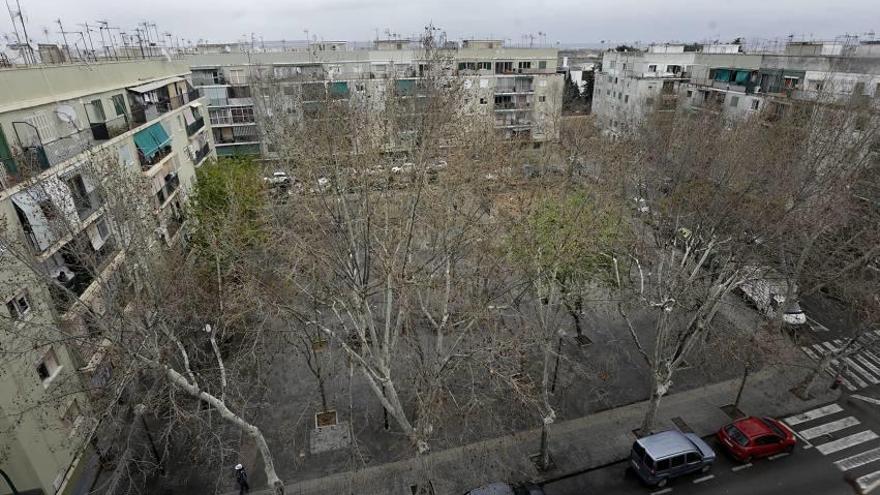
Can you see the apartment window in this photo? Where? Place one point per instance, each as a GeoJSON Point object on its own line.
{"type": "Point", "coordinates": [626, 98]}
{"type": "Point", "coordinates": [791, 82]}
{"type": "Point", "coordinates": [503, 67]}
{"type": "Point", "coordinates": [690, 93]}
{"type": "Point", "coordinates": [652, 68]}
{"type": "Point", "coordinates": [615, 80]}
{"type": "Point", "coordinates": [525, 65]}
{"type": "Point", "coordinates": [482, 101]}
{"type": "Point", "coordinates": [19, 306]}
{"type": "Point", "coordinates": [98, 110]}
{"type": "Point", "coordinates": [48, 367]}
{"type": "Point", "coordinates": [72, 416]}
{"type": "Point", "coordinates": [620, 95]}
{"type": "Point", "coordinates": [118, 104]}
{"type": "Point", "coordinates": [542, 98]}
{"type": "Point", "coordinates": [734, 101]}
{"type": "Point", "coordinates": [542, 64]}
{"type": "Point", "coordinates": [755, 104]}
{"type": "Point", "coordinates": [44, 126]}
{"type": "Point", "coordinates": [607, 92]}
{"type": "Point", "coordinates": [484, 65]}
{"type": "Point", "coordinates": [103, 230]}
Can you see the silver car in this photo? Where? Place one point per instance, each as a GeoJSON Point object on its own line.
{"type": "Point", "coordinates": [669, 454]}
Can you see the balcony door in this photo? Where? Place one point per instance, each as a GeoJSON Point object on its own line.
{"type": "Point", "coordinates": [6, 155]}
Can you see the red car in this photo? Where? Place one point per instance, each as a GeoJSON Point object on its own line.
{"type": "Point", "coordinates": [753, 437]}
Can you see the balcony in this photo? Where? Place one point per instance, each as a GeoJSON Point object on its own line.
{"type": "Point", "coordinates": [202, 152]}
{"type": "Point", "coordinates": [515, 85]}
{"type": "Point", "coordinates": [87, 203]}
{"type": "Point", "coordinates": [81, 266]}
{"type": "Point", "coordinates": [143, 113]}
{"type": "Point", "coordinates": [19, 168]}
{"type": "Point", "coordinates": [148, 162]}
{"type": "Point", "coordinates": [195, 127]}
{"type": "Point", "coordinates": [109, 129]}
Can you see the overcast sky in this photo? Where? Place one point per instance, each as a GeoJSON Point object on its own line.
{"type": "Point", "coordinates": [567, 21]}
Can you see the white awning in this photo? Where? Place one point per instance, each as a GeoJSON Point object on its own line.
{"type": "Point", "coordinates": [196, 104]}
{"type": "Point", "coordinates": [188, 116]}
{"type": "Point", "coordinates": [146, 88]}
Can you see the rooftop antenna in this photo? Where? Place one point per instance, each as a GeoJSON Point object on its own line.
{"type": "Point", "coordinates": [92, 45]}
{"type": "Point", "coordinates": [28, 53]}
{"type": "Point", "coordinates": [64, 37]}
{"type": "Point", "coordinates": [111, 51]}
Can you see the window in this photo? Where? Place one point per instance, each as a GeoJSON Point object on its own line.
{"type": "Point", "coordinates": [638, 450]}
{"type": "Point", "coordinates": [755, 104]}
{"type": "Point", "coordinates": [48, 367]}
{"type": "Point", "coordinates": [542, 98]}
{"type": "Point", "coordinates": [663, 465]}
{"type": "Point", "coordinates": [19, 306]}
{"type": "Point", "coordinates": [690, 93]}
{"type": "Point", "coordinates": [615, 80]}
{"type": "Point", "coordinates": [790, 82]}
{"type": "Point", "coordinates": [767, 440]}
{"type": "Point", "coordinates": [118, 104]}
{"type": "Point", "coordinates": [734, 101]}
{"type": "Point", "coordinates": [693, 458]}
{"type": "Point", "coordinates": [484, 65]}
{"type": "Point", "coordinates": [525, 65]}
{"type": "Point", "coordinates": [626, 98]}
{"type": "Point", "coordinates": [503, 67]}
{"type": "Point", "coordinates": [103, 230]}
{"type": "Point", "coordinates": [736, 435]}
{"type": "Point", "coordinates": [98, 110]}
{"type": "Point", "coordinates": [652, 68]}
{"type": "Point", "coordinates": [73, 416]}
{"type": "Point", "coordinates": [773, 427]}
{"type": "Point", "coordinates": [482, 101]}
{"type": "Point", "coordinates": [44, 126]}
{"type": "Point", "coordinates": [677, 461]}
{"type": "Point", "coordinates": [542, 64]}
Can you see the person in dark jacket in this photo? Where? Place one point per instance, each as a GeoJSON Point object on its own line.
{"type": "Point", "coordinates": [242, 479]}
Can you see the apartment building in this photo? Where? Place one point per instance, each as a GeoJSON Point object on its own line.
{"type": "Point", "coordinates": [517, 88]}
{"type": "Point", "coordinates": [631, 84]}
{"type": "Point", "coordinates": [140, 119]}
{"type": "Point", "coordinates": [726, 80]}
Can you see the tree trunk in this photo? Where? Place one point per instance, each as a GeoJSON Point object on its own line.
{"type": "Point", "coordinates": [742, 386]}
{"type": "Point", "coordinates": [544, 455]}
{"type": "Point", "coordinates": [805, 387]}
{"type": "Point", "coordinates": [659, 387]}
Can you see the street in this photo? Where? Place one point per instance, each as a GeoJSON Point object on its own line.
{"type": "Point", "coordinates": [837, 450]}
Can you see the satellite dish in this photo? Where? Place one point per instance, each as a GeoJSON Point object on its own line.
{"type": "Point", "coordinates": [66, 114]}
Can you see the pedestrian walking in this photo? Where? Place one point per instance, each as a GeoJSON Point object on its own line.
{"type": "Point", "coordinates": [242, 479]}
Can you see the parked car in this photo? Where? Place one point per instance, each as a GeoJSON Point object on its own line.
{"type": "Point", "coordinates": [506, 489]}
{"type": "Point", "coordinates": [752, 437]}
{"type": "Point", "coordinates": [669, 454]}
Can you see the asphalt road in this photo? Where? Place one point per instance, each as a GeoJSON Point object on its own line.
{"type": "Point", "coordinates": [837, 446]}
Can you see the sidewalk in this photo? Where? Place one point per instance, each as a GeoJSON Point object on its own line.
{"type": "Point", "coordinates": [576, 445]}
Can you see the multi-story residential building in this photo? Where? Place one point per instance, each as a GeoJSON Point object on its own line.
{"type": "Point", "coordinates": [59, 236]}
{"type": "Point", "coordinates": [517, 87]}
{"type": "Point", "coordinates": [632, 83]}
{"type": "Point", "coordinates": [726, 80]}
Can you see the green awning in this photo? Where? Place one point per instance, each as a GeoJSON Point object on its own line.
{"type": "Point", "coordinates": [339, 88]}
{"type": "Point", "coordinates": [742, 76]}
{"type": "Point", "coordinates": [405, 86]}
{"type": "Point", "coordinates": [722, 75]}
{"type": "Point", "coordinates": [151, 139]}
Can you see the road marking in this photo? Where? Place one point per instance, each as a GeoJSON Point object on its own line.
{"type": "Point", "coordinates": [661, 492]}
{"type": "Point", "coordinates": [704, 478]}
{"type": "Point", "coordinates": [824, 429]}
{"type": "Point", "coordinates": [867, 364]}
{"type": "Point", "coordinates": [858, 460]}
{"type": "Point", "coordinates": [813, 414]}
{"type": "Point", "coordinates": [846, 442]}
{"type": "Point", "coordinates": [741, 467]}
{"type": "Point", "coordinates": [853, 366]}
{"type": "Point", "coordinates": [833, 364]}
{"type": "Point", "coordinates": [777, 456]}
{"type": "Point", "coordinates": [822, 328]}
{"type": "Point", "coordinates": [868, 482]}
{"type": "Point", "coordinates": [866, 399]}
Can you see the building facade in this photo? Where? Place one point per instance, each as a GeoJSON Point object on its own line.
{"type": "Point", "coordinates": [730, 82]}
{"type": "Point", "coordinates": [518, 88]}
{"type": "Point", "coordinates": [67, 133]}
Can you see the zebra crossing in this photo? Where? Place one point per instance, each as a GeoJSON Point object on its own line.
{"type": "Point", "coordinates": [861, 368]}
{"type": "Point", "coordinates": [835, 433]}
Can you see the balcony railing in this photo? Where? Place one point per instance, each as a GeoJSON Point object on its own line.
{"type": "Point", "coordinates": [88, 266]}
{"type": "Point", "coordinates": [236, 139]}
{"type": "Point", "coordinates": [88, 204]}
{"type": "Point", "coordinates": [109, 129]}
{"type": "Point", "coordinates": [195, 126]}
{"type": "Point", "coordinates": [141, 114]}
{"type": "Point", "coordinates": [147, 163]}
{"type": "Point", "coordinates": [21, 167]}
{"type": "Point", "coordinates": [202, 152]}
